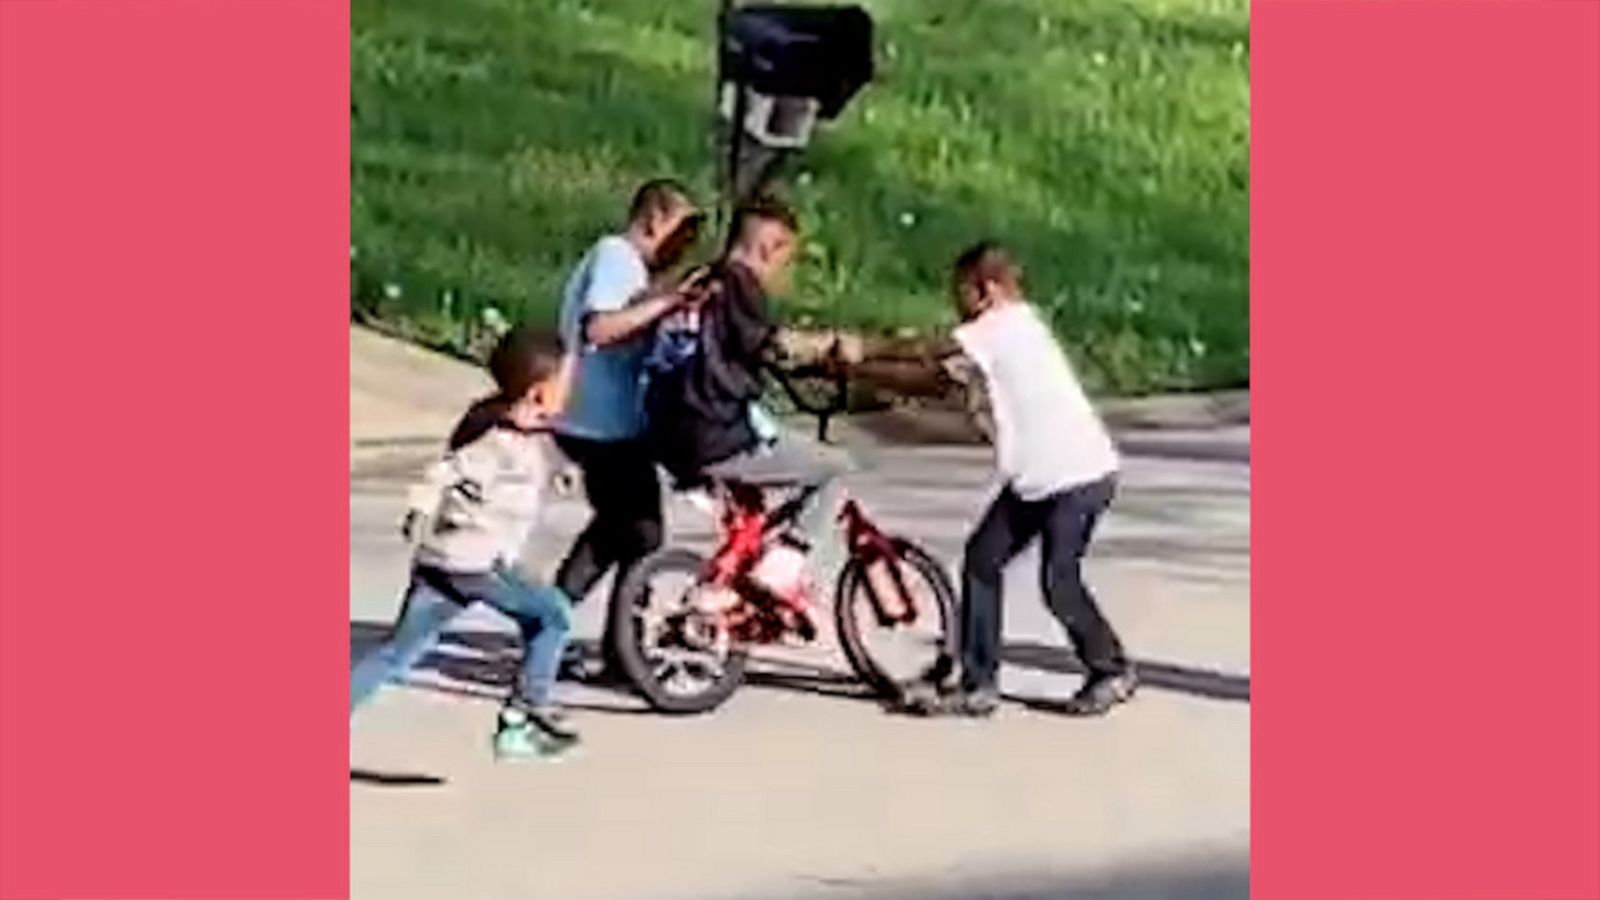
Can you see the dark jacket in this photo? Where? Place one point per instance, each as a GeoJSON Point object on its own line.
{"type": "Point", "coordinates": [700, 412]}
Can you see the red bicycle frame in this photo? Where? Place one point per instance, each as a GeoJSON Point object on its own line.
{"type": "Point", "coordinates": [747, 525]}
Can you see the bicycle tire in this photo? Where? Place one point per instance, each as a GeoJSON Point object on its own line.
{"type": "Point", "coordinates": [849, 592]}
{"type": "Point", "coordinates": [625, 632]}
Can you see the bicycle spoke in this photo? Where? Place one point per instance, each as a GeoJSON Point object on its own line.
{"type": "Point", "coordinates": [709, 664]}
{"type": "Point", "coordinates": [662, 670]}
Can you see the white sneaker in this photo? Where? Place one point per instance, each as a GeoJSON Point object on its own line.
{"type": "Point", "coordinates": [701, 500]}
{"type": "Point", "coordinates": [709, 599]}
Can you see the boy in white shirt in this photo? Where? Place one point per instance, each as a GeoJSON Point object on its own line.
{"type": "Point", "coordinates": [1060, 471]}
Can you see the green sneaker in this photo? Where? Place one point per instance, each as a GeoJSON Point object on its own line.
{"type": "Point", "coordinates": [521, 735]}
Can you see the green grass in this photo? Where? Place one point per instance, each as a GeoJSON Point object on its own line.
{"type": "Point", "coordinates": [1107, 142]}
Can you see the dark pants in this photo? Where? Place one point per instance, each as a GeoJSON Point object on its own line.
{"type": "Point", "coordinates": [1065, 522]}
{"type": "Point", "coordinates": [625, 494]}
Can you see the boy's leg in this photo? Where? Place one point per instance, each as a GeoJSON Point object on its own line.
{"type": "Point", "coordinates": [545, 616]}
{"type": "Point", "coordinates": [423, 616]}
{"type": "Point", "coordinates": [528, 727]}
{"type": "Point", "coordinates": [1070, 526]}
{"type": "Point", "coordinates": [1005, 529]}
{"type": "Point", "coordinates": [624, 493]}
{"type": "Point", "coordinates": [590, 555]}
{"type": "Point", "coordinates": [807, 465]}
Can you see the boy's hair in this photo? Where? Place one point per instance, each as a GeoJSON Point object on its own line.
{"type": "Point", "coordinates": [657, 196]}
{"type": "Point", "coordinates": [763, 209]}
{"type": "Point", "coordinates": [987, 261]}
{"type": "Point", "coordinates": [523, 358]}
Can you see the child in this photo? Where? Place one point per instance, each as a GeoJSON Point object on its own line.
{"type": "Point", "coordinates": [677, 342]}
{"type": "Point", "coordinates": [1059, 468]}
{"type": "Point", "coordinates": [470, 517]}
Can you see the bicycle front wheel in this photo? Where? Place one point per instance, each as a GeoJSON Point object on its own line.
{"type": "Point", "coordinates": [889, 652]}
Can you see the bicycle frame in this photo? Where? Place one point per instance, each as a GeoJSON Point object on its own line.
{"type": "Point", "coordinates": [748, 526]}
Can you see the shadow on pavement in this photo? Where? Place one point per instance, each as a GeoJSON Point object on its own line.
{"type": "Point", "coordinates": [1211, 684]}
{"type": "Point", "coordinates": [394, 779]}
{"type": "Point", "coordinates": [1223, 878]}
{"type": "Point", "coordinates": [482, 664]}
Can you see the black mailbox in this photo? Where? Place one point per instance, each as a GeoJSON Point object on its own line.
{"type": "Point", "coordinates": [819, 52]}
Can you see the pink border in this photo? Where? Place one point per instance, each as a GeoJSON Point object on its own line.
{"type": "Point", "coordinates": [1426, 315]}
{"type": "Point", "coordinates": [174, 202]}
{"type": "Point", "coordinates": [174, 222]}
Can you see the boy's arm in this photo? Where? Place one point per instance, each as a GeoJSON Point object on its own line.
{"type": "Point", "coordinates": [615, 308]}
{"type": "Point", "coordinates": [602, 327]}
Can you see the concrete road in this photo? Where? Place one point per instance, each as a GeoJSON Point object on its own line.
{"type": "Point", "coordinates": [802, 786]}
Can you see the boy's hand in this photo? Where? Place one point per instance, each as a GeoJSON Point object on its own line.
{"type": "Point", "coordinates": [693, 277]}
{"type": "Point", "coordinates": [696, 286]}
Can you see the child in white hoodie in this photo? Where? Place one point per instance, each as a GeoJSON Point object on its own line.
{"type": "Point", "coordinates": [470, 516]}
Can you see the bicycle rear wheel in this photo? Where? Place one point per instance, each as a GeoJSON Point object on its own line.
{"type": "Point", "coordinates": [888, 655]}
{"type": "Point", "coordinates": [660, 640]}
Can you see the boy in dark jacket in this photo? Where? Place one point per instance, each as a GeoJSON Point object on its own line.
{"type": "Point", "coordinates": [700, 409]}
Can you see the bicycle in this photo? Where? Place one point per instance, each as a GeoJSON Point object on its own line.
{"type": "Point", "coordinates": [690, 655]}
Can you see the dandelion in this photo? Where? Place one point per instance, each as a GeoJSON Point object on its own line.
{"type": "Point", "coordinates": [391, 291]}
{"type": "Point", "coordinates": [1136, 307]}
{"type": "Point", "coordinates": [908, 219]}
{"type": "Point", "coordinates": [1099, 58]}
{"type": "Point", "coordinates": [804, 179]}
{"type": "Point", "coordinates": [1197, 347]}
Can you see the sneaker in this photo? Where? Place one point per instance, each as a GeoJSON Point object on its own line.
{"type": "Point", "coordinates": [927, 700]}
{"type": "Point", "coordinates": [553, 726]}
{"type": "Point", "coordinates": [526, 735]}
{"type": "Point", "coordinates": [714, 600]}
{"type": "Point", "coordinates": [516, 742]}
{"type": "Point", "coordinates": [1100, 693]}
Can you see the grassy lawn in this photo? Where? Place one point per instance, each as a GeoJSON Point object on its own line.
{"type": "Point", "coordinates": [1106, 140]}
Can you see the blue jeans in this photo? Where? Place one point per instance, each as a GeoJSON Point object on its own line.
{"type": "Point", "coordinates": [543, 614]}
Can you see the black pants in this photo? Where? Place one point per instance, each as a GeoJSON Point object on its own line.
{"type": "Point", "coordinates": [625, 494]}
{"type": "Point", "coordinates": [1065, 522]}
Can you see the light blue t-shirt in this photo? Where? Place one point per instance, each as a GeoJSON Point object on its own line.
{"type": "Point", "coordinates": [607, 402]}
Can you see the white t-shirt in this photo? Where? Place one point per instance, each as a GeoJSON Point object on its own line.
{"type": "Point", "coordinates": [1048, 437]}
